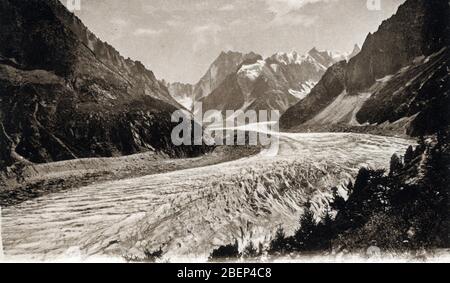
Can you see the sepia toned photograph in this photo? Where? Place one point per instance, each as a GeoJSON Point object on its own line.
{"type": "Point", "coordinates": [224, 131]}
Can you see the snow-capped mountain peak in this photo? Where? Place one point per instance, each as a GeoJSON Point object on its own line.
{"type": "Point", "coordinates": [252, 71]}
{"type": "Point", "coordinates": [291, 58]}
{"type": "Point", "coordinates": [235, 79]}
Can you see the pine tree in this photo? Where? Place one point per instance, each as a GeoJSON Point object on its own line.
{"type": "Point", "coordinates": [409, 155]}
{"type": "Point", "coordinates": [396, 164]}
{"type": "Point", "coordinates": [250, 251]}
{"type": "Point", "coordinates": [260, 249]}
{"type": "Point", "coordinates": [327, 220]}
{"type": "Point", "coordinates": [350, 187]}
{"type": "Point", "coordinates": [338, 202]}
{"type": "Point", "coordinates": [323, 233]}
{"type": "Point", "coordinates": [422, 145]}
{"type": "Point", "coordinates": [228, 251]}
{"type": "Point", "coordinates": [279, 243]}
{"type": "Point", "coordinates": [303, 235]}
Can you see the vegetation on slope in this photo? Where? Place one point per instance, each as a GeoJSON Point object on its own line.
{"type": "Point", "coordinates": [405, 209]}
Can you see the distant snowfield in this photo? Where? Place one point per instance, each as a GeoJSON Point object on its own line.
{"type": "Point", "coordinates": [190, 212]}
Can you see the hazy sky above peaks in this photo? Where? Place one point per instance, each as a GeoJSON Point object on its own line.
{"type": "Point", "coordinates": [179, 39]}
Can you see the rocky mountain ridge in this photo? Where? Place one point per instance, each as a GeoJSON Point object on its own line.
{"type": "Point", "coordinates": [400, 78]}
{"type": "Point", "coordinates": [64, 94]}
{"type": "Point", "coordinates": [296, 77]}
{"type": "Point", "coordinates": [274, 83]}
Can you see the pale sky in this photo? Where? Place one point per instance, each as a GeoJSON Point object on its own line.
{"type": "Point", "coordinates": [179, 39]}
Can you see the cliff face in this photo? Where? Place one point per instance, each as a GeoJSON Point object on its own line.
{"type": "Point", "coordinates": [421, 90]}
{"type": "Point", "coordinates": [65, 94]}
{"type": "Point", "coordinates": [183, 93]}
{"type": "Point", "coordinates": [133, 72]}
{"type": "Point", "coordinates": [224, 65]}
{"type": "Point", "coordinates": [400, 73]}
{"type": "Point", "coordinates": [418, 28]}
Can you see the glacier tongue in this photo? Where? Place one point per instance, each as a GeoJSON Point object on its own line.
{"type": "Point", "coordinates": [190, 212]}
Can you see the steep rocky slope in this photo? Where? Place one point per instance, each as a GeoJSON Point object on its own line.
{"type": "Point", "coordinates": [224, 65]}
{"type": "Point", "coordinates": [64, 94]}
{"type": "Point", "coordinates": [356, 50]}
{"type": "Point", "coordinates": [401, 75]}
{"type": "Point", "coordinates": [182, 93]}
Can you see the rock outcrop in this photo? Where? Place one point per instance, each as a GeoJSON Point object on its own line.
{"type": "Point", "coordinates": [182, 93]}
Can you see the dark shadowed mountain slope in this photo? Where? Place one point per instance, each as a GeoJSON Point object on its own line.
{"type": "Point", "coordinates": [421, 90]}
{"type": "Point", "coordinates": [400, 77]}
{"type": "Point", "coordinates": [419, 28]}
{"type": "Point", "coordinates": [64, 94]}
